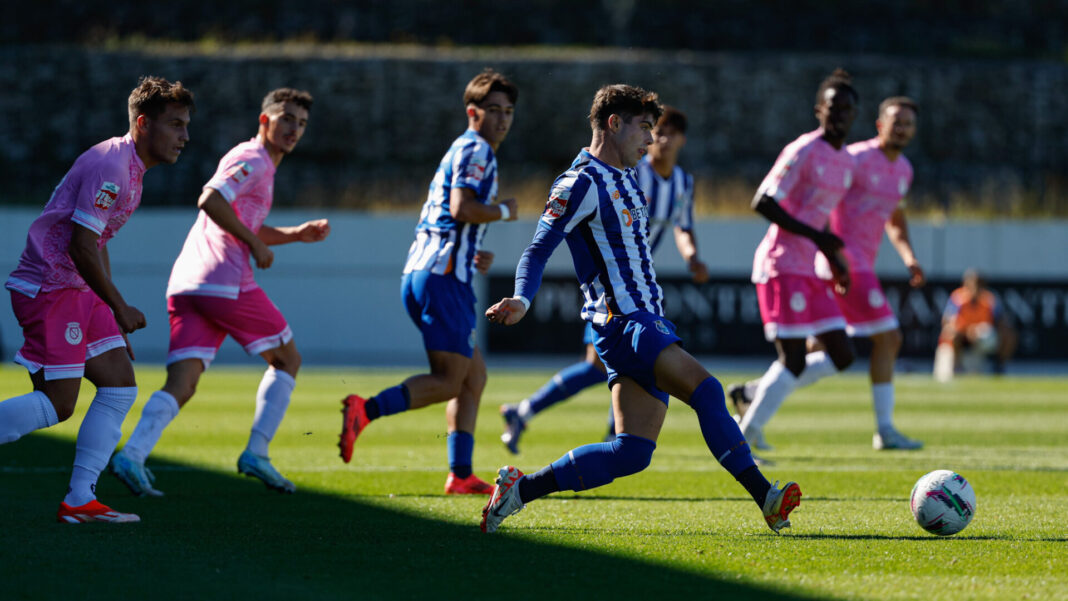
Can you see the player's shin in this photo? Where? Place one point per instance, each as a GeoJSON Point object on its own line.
{"type": "Point", "coordinates": [23, 414]}
{"type": "Point", "coordinates": [99, 433]}
{"type": "Point", "coordinates": [159, 411]}
{"type": "Point", "coordinates": [594, 465]}
{"type": "Point", "coordinates": [272, 400]}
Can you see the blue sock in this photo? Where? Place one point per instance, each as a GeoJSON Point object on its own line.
{"type": "Point", "coordinates": [593, 465]}
{"type": "Point", "coordinates": [721, 432]}
{"type": "Point", "coordinates": [461, 445]}
{"type": "Point", "coordinates": [389, 401]}
{"type": "Point", "coordinates": [567, 382]}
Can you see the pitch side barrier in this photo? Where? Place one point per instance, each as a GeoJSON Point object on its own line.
{"type": "Point", "coordinates": [721, 317]}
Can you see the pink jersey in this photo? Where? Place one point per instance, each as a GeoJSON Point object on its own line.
{"type": "Point", "coordinates": [213, 262]}
{"type": "Point", "coordinates": [878, 187]}
{"type": "Point", "coordinates": [808, 180]}
{"type": "Point", "coordinates": [100, 192]}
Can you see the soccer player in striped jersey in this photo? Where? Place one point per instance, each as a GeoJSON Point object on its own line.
{"type": "Point", "coordinates": [809, 179]}
{"type": "Point", "coordinates": [669, 191]}
{"type": "Point", "coordinates": [212, 294]}
{"type": "Point", "coordinates": [74, 320]}
{"type": "Point", "coordinates": [599, 210]}
{"type": "Point", "coordinates": [436, 287]}
{"type": "Point", "coordinates": [881, 179]}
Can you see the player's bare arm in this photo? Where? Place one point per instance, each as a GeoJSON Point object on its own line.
{"type": "Point", "coordinates": [465, 207]}
{"type": "Point", "coordinates": [508, 311]}
{"type": "Point", "coordinates": [897, 230]}
{"type": "Point", "coordinates": [220, 211]}
{"type": "Point", "coordinates": [828, 244]}
{"type": "Point", "coordinates": [91, 264]}
{"type": "Point", "coordinates": [309, 231]}
{"type": "Point", "coordinates": [686, 242]}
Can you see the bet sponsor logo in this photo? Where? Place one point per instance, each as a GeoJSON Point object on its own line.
{"type": "Point", "coordinates": [557, 202]}
{"type": "Point", "coordinates": [73, 334]}
{"type": "Point", "coordinates": [106, 195]}
{"type": "Point", "coordinates": [630, 215]}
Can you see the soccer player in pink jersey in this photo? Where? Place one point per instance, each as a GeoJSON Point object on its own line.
{"type": "Point", "coordinates": [874, 203]}
{"type": "Point", "coordinates": [809, 179]}
{"type": "Point", "coordinates": [212, 293]}
{"type": "Point", "coordinates": [74, 320]}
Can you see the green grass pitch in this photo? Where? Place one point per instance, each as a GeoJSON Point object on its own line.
{"type": "Point", "coordinates": [379, 528]}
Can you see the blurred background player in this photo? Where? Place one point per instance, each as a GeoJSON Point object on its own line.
{"type": "Point", "coordinates": [669, 192]}
{"type": "Point", "coordinates": [809, 179]}
{"type": "Point", "coordinates": [212, 293]}
{"type": "Point", "coordinates": [73, 318]}
{"type": "Point", "coordinates": [974, 327]}
{"type": "Point", "coordinates": [598, 208]}
{"type": "Point", "coordinates": [881, 179]}
{"type": "Point", "coordinates": [436, 288]}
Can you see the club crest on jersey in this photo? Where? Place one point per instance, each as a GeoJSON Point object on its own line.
{"type": "Point", "coordinates": [662, 328]}
{"type": "Point", "coordinates": [557, 202]}
{"type": "Point", "coordinates": [73, 335]}
{"type": "Point", "coordinates": [240, 171]}
{"type": "Point", "coordinates": [106, 195]}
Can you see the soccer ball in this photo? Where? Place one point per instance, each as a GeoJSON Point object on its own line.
{"type": "Point", "coordinates": [942, 502]}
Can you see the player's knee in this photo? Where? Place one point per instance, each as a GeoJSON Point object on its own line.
{"type": "Point", "coordinates": [794, 365]}
{"type": "Point", "coordinates": [633, 454]}
{"type": "Point", "coordinates": [64, 407]}
{"type": "Point", "coordinates": [843, 358]}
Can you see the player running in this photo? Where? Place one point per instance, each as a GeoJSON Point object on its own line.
{"type": "Point", "coordinates": [436, 288]}
{"type": "Point", "coordinates": [212, 293]}
{"type": "Point", "coordinates": [809, 179]}
{"type": "Point", "coordinates": [73, 318]}
{"type": "Point", "coordinates": [669, 191]}
{"type": "Point", "coordinates": [881, 179]}
{"type": "Point", "coordinates": [598, 208]}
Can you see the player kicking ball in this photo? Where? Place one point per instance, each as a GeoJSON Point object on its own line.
{"type": "Point", "coordinates": [436, 287]}
{"type": "Point", "coordinates": [212, 294]}
{"type": "Point", "coordinates": [73, 318]}
{"type": "Point", "coordinates": [598, 208]}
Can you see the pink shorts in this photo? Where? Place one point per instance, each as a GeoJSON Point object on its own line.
{"type": "Point", "coordinates": [865, 308]}
{"type": "Point", "coordinates": [62, 330]}
{"type": "Point", "coordinates": [797, 306]}
{"type": "Point", "coordinates": [199, 324]}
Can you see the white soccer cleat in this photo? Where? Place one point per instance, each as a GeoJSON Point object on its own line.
{"type": "Point", "coordinates": [890, 438]}
{"type": "Point", "coordinates": [134, 475]}
{"type": "Point", "coordinates": [754, 435]}
{"type": "Point", "coordinates": [505, 499]}
{"type": "Point", "coordinates": [779, 503]}
{"type": "Point", "coordinates": [260, 467]}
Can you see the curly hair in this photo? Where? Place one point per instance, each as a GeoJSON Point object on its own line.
{"type": "Point", "coordinates": [625, 101]}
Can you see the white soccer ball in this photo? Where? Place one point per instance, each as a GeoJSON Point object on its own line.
{"type": "Point", "coordinates": [942, 502]}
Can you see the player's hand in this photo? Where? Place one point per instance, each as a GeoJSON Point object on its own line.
{"type": "Point", "coordinates": [509, 311]}
{"type": "Point", "coordinates": [698, 270]}
{"type": "Point", "coordinates": [483, 260]}
{"type": "Point", "coordinates": [129, 319]}
{"type": "Point", "coordinates": [513, 208]}
{"type": "Point", "coordinates": [916, 277]}
{"type": "Point", "coordinates": [313, 231]}
{"type": "Point", "coordinates": [839, 271]}
{"type": "Point", "coordinates": [262, 254]}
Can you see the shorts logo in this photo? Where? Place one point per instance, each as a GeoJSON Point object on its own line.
{"type": "Point", "coordinates": [106, 195]}
{"type": "Point", "coordinates": [471, 340]}
{"type": "Point", "coordinates": [797, 302]}
{"type": "Point", "coordinates": [240, 172]}
{"type": "Point", "coordinates": [73, 335]}
{"type": "Point", "coordinates": [875, 299]}
{"type": "Point", "coordinates": [662, 328]}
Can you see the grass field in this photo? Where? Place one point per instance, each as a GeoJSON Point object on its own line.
{"type": "Point", "coordinates": [380, 528]}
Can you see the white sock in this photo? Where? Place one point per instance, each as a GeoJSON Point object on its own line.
{"type": "Point", "coordinates": [883, 397]}
{"type": "Point", "coordinates": [99, 433]}
{"type": "Point", "coordinates": [23, 414]}
{"type": "Point", "coordinates": [272, 400]}
{"type": "Point", "coordinates": [158, 413]}
{"type": "Point", "coordinates": [524, 410]}
{"type": "Point", "coordinates": [773, 389]}
{"type": "Point", "coordinates": [818, 365]}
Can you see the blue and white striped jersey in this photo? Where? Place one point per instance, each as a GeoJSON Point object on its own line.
{"type": "Point", "coordinates": [602, 214]}
{"type": "Point", "coordinates": [670, 200]}
{"type": "Point", "coordinates": [442, 244]}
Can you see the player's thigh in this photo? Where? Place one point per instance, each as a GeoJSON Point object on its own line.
{"type": "Point", "coordinates": [111, 369]}
{"type": "Point", "coordinates": [63, 393]}
{"type": "Point", "coordinates": [678, 373]}
{"type": "Point", "coordinates": [637, 411]}
{"type": "Point", "coordinates": [449, 365]}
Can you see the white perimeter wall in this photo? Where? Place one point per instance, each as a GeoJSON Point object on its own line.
{"type": "Point", "coordinates": [341, 296]}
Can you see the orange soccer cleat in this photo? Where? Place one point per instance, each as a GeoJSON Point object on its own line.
{"type": "Point", "coordinates": [93, 511]}
{"type": "Point", "coordinates": [470, 485]}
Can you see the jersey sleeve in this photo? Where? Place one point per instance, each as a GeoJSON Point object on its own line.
{"type": "Point", "coordinates": [786, 174]}
{"type": "Point", "coordinates": [98, 193]}
{"type": "Point", "coordinates": [470, 166]}
{"type": "Point", "coordinates": [684, 220]}
{"type": "Point", "coordinates": [236, 176]}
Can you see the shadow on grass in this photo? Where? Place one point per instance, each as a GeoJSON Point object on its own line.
{"type": "Point", "coordinates": [220, 536]}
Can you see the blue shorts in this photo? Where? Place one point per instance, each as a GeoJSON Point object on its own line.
{"type": "Point", "coordinates": [588, 335]}
{"type": "Point", "coordinates": [443, 308]}
{"type": "Point", "coordinates": [630, 345]}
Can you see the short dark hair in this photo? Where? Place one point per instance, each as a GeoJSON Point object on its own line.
{"type": "Point", "coordinates": [487, 82]}
{"type": "Point", "coordinates": [625, 101]}
{"type": "Point", "coordinates": [903, 101]}
{"type": "Point", "coordinates": [281, 96]}
{"type": "Point", "coordinates": [673, 117]}
{"type": "Point", "coordinates": [839, 79]}
{"type": "Point", "coordinates": [153, 94]}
